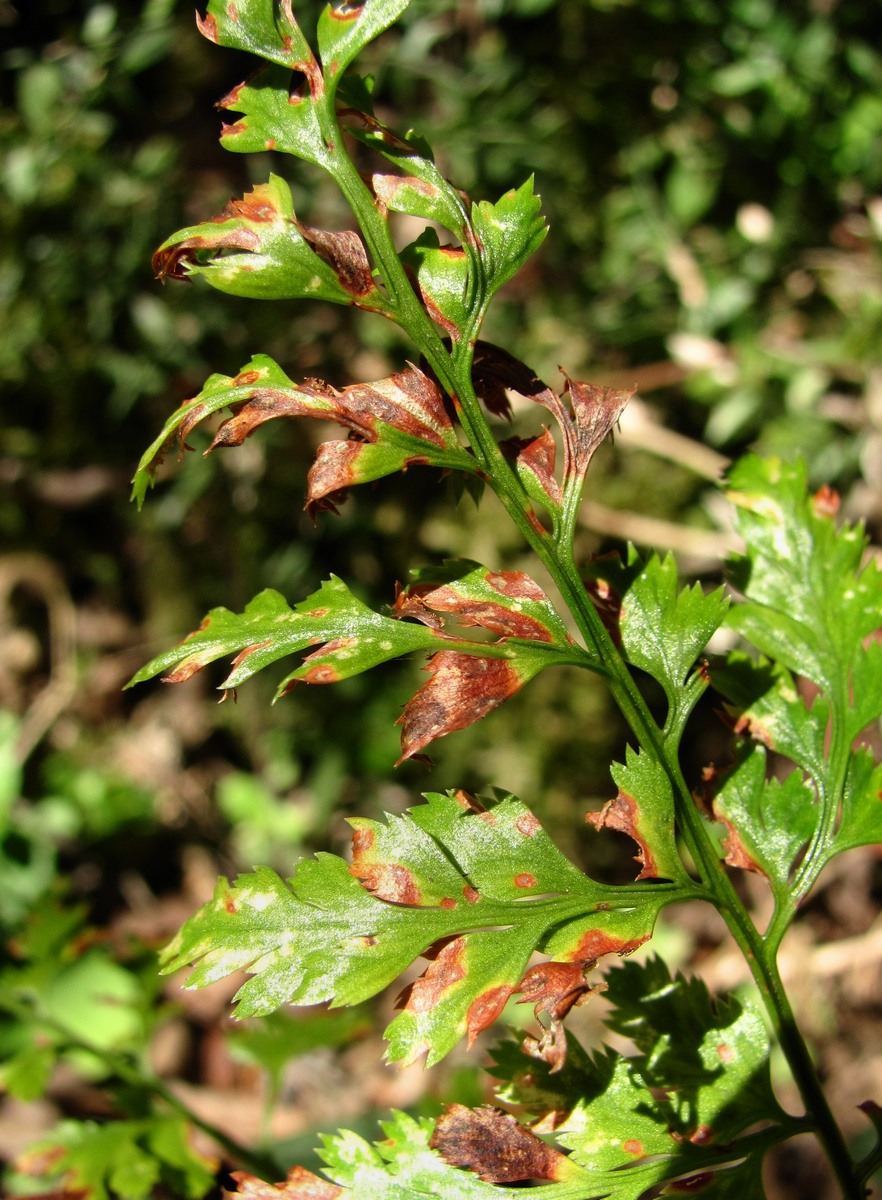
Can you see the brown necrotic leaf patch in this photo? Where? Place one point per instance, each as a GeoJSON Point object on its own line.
{"type": "Point", "coordinates": [300, 1185]}
{"type": "Point", "coordinates": [463, 688]}
{"type": "Point", "coordinates": [446, 969]}
{"type": "Point", "coordinates": [344, 252]}
{"type": "Point", "coordinates": [485, 1009]}
{"type": "Point", "coordinates": [622, 813]}
{"type": "Point", "coordinates": [495, 1146]}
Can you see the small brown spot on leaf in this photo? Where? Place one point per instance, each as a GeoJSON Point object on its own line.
{"type": "Point", "coordinates": [471, 895]}
{"type": "Point", "coordinates": [495, 1146]}
{"type": "Point", "coordinates": [726, 1053]}
{"type": "Point", "coordinates": [447, 902]}
{"type": "Point", "coordinates": [387, 881]}
{"type": "Point", "coordinates": [230, 904]}
{"type": "Point", "coordinates": [525, 880]}
{"type": "Point", "coordinates": [825, 502]}
{"type": "Point", "coordinates": [528, 825]}
{"type": "Point", "coordinates": [702, 1135]}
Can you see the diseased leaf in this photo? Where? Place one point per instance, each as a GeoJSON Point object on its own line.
{"type": "Point", "coordinates": [395, 423]}
{"type": "Point", "coordinates": [496, 1147]}
{"type": "Point", "coordinates": [765, 704]}
{"type": "Point", "coordinates": [269, 31]}
{"type": "Point", "coordinates": [299, 1185]}
{"type": "Point", "coordinates": [769, 822]}
{"type": "Point", "coordinates": [507, 603]}
{"type": "Point", "coordinates": [442, 277]}
{"type": "Point", "coordinates": [469, 679]}
{"type": "Point", "coordinates": [476, 890]}
{"type": "Point", "coordinates": [257, 248]}
{"type": "Point", "coordinates": [644, 810]}
{"type": "Point", "coordinates": [344, 30]}
{"type": "Point", "coordinates": [281, 113]}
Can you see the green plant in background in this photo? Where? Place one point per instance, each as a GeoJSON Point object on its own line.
{"type": "Point", "coordinates": [475, 885]}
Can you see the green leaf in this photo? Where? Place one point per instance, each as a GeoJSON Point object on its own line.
{"type": "Point", "coordinates": [277, 117]}
{"type": "Point", "coordinates": [476, 889]}
{"type": "Point", "coordinates": [398, 422]}
{"type": "Point", "coordinates": [769, 822]}
{"type": "Point", "coordinates": [267, 30]}
{"type": "Point", "coordinates": [644, 810]}
{"type": "Point", "coordinates": [663, 630]}
{"type": "Point", "coordinates": [809, 602]}
{"type": "Point", "coordinates": [507, 233]}
{"type": "Point", "coordinates": [442, 275]}
{"type": "Point", "coordinates": [355, 639]}
{"type": "Point", "coordinates": [344, 31]}
{"type": "Point", "coordinates": [257, 248]}
{"type": "Point", "coordinates": [765, 703]}
{"type": "Point", "coordinates": [709, 1056]}
{"type": "Point", "coordinates": [861, 823]}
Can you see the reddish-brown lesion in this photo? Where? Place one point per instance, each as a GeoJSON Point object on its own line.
{"type": "Point", "coordinates": [622, 813]}
{"type": "Point", "coordinates": [494, 1145]}
{"type": "Point", "coordinates": [463, 688]}
{"type": "Point", "coordinates": [444, 972]}
{"type": "Point", "coordinates": [485, 1009]}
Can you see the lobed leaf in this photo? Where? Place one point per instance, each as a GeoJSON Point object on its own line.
{"type": "Point", "coordinates": [394, 423]}
{"type": "Point", "coordinates": [268, 30]}
{"type": "Point", "coordinates": [257, 248]}
{"type": "Point", "coordinates": [662, 630]}
{"type": "Point", "coordinates": [280, 113]}
{"type": "Point", "coordinates": [442, 277]}
{"type": "Point", "coordinates": [507, 233]}
{"type": "Point", "coordinates": [770, 822]}
{"type": "Point", "coordinates": [644, 810]}
{"type": "Point", "coordinates": [345, 29]}
{"type": "Point", "coordinates": [475, 890]}
{"type": "Point", "coordinates": [468, 679]}
{"type": "Point", "coordinates": [809, 601]}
